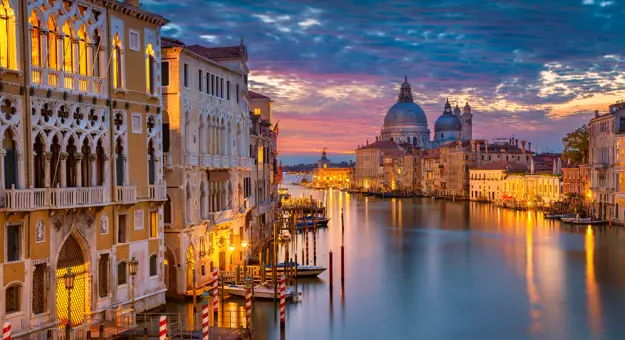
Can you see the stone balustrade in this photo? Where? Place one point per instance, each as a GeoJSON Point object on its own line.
{"type": "Point", "coordinates": [59, 79]}
{"type": "Point", "coordinates": [52, 198]}
{"type": "Point", "coordinates": [126, 194]}
{"type": "Point", "coordinates": [158, 192]}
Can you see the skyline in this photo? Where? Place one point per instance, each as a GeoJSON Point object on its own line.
{"type": "Point", "coordinates": [334, 68]}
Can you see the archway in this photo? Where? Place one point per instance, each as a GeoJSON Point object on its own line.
{"type": "Point", "coordinates": [190, 266]}
{"type": "Point", "coordinates": [71, 255]}
{"type": "Point", "coordinates": [170, 272]}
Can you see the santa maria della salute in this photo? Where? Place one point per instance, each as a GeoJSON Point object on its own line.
{"type": "Point", "coordinates": [406, 123]}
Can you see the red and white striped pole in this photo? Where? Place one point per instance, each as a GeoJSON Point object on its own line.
{"type": "Point", "coordinates": [216, 290]}
{"type": "Point", "coordinates": [205, 323]}
{"type": "Point", "coordinates": [162, 328]}
{"type": "Point", "coordinates": [6, 331]}
{"type": "Point", "coordinates": [248, 307]}
{"type": "Point", "coordinates": [306, 240]}
{"type": "Point", "coordinates": [282, 301]}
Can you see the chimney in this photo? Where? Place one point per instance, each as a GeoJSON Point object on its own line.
{"type": "Point", "coordinates": [376, 138]}
{"type": "Point", "coordinates": [367, 142]}
{"type": "Point", "coordinates": [486, 146]}
{"type": "Point", "coordinates": [133, 3]}
{"type": "Point", "coordinates": [523, 147]}
{"type": "Point", "coordinates": [559, 166]}
{"type": "Point", "coordinates": [478, 148]}
{"type": "Point", "coordinates": [516, 143]}
{"type": "Point", "coordinates": [531, 165]}
{"type": "Point", "coordinates": [529, 147]}
{"type": "Point", "coordinates": [596, 113]}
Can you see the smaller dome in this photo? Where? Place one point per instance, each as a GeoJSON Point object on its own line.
{"type": "Point", "coordinates": [447, 122]}
{"type": "Point", "coordinates": [457, 110]}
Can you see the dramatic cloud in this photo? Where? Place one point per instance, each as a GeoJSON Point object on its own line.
{"type": "Point", "coordinates": [529, 68]}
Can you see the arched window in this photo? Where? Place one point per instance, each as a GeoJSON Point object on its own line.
{"type": "Point", "coordinates": [122, 275]}
{"type": "Point", "coordinates": [167, 211]}
{"type": "Point", "coordinates": [55, 162]}
{"type": "Point", "coordinates": [189, 204]}
{"type": "Point", "coordinates": [150, 70]}
{"type": "Point", "coordinates": [53, 51]}
{"type": "Point", "coordinates": [35, 39]}
{"type": "Point", "coordinates": [68, 49]}
{"type": "Point", "coordinates": [39, 165]}
{"type": "Point", "coordinates": [153, 265]}
{"type": "Point", "coordinates": [12, 298]}
{"type": "Point", "coordinates": [119, 163]}
{"type": "Point", "coordinates": [151, 163]}
{"type": "Point", "coordinates": [85, 165]}
{"type": "Point", "coordinates": [70, 164]}
{"type": "Point", "coordinates": [10, 160]}
{"type": "Point", "coordinates": [8, 55]}
{"type": "Point", "coordinates": [117, 62]}
{"type": "Point", "coordinates": [95, 54]}
{"type": "Point", "coordinates": [203, 202]}
{"type": "Point", "coordinates": [83, 55]}
{"type": "Point", "coordinates": [100, 164]}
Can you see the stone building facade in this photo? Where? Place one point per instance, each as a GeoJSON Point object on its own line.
{"type": "Point", "coordinates": [208, 161]}
{"type": "Point", "coordinates": [80, 84]}
{"type": "Point", "coordinates": [603, 181]}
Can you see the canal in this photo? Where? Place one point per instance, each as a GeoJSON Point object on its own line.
{"type": "Point", "coordinates": [420, 268]}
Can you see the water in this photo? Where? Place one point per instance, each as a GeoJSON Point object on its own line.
{"type": "Point", "coordinates": [430, 269]}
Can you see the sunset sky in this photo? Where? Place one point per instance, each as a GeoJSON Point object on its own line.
{"type": "Point", "coordinates": [530, 69]}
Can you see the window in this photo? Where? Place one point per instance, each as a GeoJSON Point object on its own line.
{"type": "Point", "coordinates": [8, 57]}
{"type": "Point", "coordinates": [237, 93]}
{"type": "Point", "coordinates": [153, 267]}
{"type": "Point", "coordinates": [208, 82]}
{"type": "Point", "coordinates": [52, 44]}
{"type": "Point", "coordinates": [228, 89]}
{"type": "Point", "coordinates": [83, 56]}
{"type": "Point", "coordinates": [185, 75]}
{"type": "Point", "coordinates": [121, 229]}
{"type": "Point", "coordinates": [121, 274]}
{"type": "Point", "coordinates": [14, 242]}
{"type": "Point", "coordinates": [257, 111]}
{"type": "Point", "coordinates": [103, 275]}
{"type": "Point", "coordinates": [221, 87]}
{"type": "Point", "coordinates": [40, 283]}
{"type": "Point", "coordinates": [165, 73]}
{"type": "Point", "coordinates": [200, 79]}
{"type": "Point", "coordinates": [212, 84]}
{"type": "Point", "coordinates": [117, 62]}
{"type": "Point", "coordinates": [133, 40]}
{"type": "Point", "coordinates": [150, 70]}
{"type": "Point", "coordinates": [12, 299]}
{"type": "Point", "coordinates": [35, 39]}
{"type": "Point", "coordinates": [203, 270]}
{"type": "Point", "coordinates": [68, 49]}
{"type": "Point", "coordinates": [154, 224]}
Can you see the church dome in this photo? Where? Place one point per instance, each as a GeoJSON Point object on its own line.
{"type": "Point", "coordinates": [405, 113]}
{"type": "Point", "coordinates": [447, 121]}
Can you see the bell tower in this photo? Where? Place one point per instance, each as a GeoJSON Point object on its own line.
{"type": "Point", "coordinates": [467, 123]}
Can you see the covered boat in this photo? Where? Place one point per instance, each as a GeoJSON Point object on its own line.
{"type": "Point", "coordinates": [302, 271]}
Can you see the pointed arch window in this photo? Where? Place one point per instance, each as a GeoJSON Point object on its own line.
{"type": "Point", "coordinates": [83, 54]}
{"type": "Point", "coordinates": [53, 51]}
{"type": "Point", "coordinates": [151, 163]}
{"type": "Point", "coordinates": [39, 165]}
{"type": "Point", "coordinates": [95, 54]}
{"type": "Point", "coordinates": [150, 69]}
{"type": "Point", "coordinates": [120, 169]}
{"type": "Point", "coordinates": [9, 152]}
{"type": "Point", "coordinates": [8, 55]}
{"type": "Point", "coordinates": [35, 39]}
{"type": "Point", "coordinates": [68, 49]}
{"type": "Point", "coordinates": [117, 62]}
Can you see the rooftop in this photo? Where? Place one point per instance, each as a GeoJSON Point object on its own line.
{"type": "Point", "coordinates": [503, 165]}
{"type": "Point", "coordinates": [253, 94]}
{"type": "Point", "coordinates": [215, 53]}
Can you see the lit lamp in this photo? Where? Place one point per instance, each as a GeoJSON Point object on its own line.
{"type": "Point", "coordinates": [231, 246]}
{"type": "Point", "coordinates": [134, 264]}
{"type": "Point", "coordinates": [244, 243]}
{"type": "Point", "coordinates": [68, 279]}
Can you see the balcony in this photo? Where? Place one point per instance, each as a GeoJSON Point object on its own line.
{"type": "Point", "coordinates": [225, 161]}
{"type": "Point", "coordinates": [600, 166]}
{"type": "Point", "coordinates": [59, 79]}
{"type": "Point", "coordinates": [191, 160]}
{"type": "Point", "coordinates": [216, 161]}
{"type": "Point", "coordinates": [158, 192]}
{"type": "Point", "coordinates": [168, 162]}
{"type": "Point", "coordinates": [126, 194]}
{"type": "Point", "coordinates": [205, 161]}
{"type": "Point", "coordinates": [52, 198]}
{"type": "Point", "coordinates": [234, 162]}
{"type": "Point", "coordinates": [221, 216]}
{"type": "Point", "coordinates": [77, 197]}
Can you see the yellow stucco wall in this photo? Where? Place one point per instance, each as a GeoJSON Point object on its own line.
{"type": "Point", "coordinates": [153, 245]}
{"type": "Point", "coordinates": [13, 272]}
{"type": "Point", "coordinates": [121, 252]}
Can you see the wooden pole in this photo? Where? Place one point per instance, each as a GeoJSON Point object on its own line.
{"type": "Point", "coordinates": [306, 240]}
{"type": "Point", "coordinates": [330, 265]}
{"type": "Point", "coordinates": [342, 250]}
{"type": "Point", "coordinates": [274, 263]}
{"type": "Point", "coordinates": [315, 245]}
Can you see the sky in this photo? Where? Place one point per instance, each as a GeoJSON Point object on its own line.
{"type": "Point", "coordinates": [530, 69]}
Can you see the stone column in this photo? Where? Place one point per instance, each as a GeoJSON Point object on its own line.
{"type": "Point", "coordinates": [21, 175]}
{"type": "Point", "coordinates": [78, 168]}
{"type": "Point", "coordinates": [47, 157]}
{"type": "Point", "coordinates": [93, 165]}
{"type": "Point", "coordinates": [62, 175]}
{"type": "Point", "coordinates": [126, 170]}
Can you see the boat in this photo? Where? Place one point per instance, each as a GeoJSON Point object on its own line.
{"type": "Point", "coordinates": [586, 221]}
{"type": "Point", "coordinates": [302, 271]}
{"type": "Point", "coordinates": [261, 291]}
{"type": "Point", "coordinates": [567, 219]}
{"type": "Point", "coordinates": [556, 216]}
{"type": "Point", "coordinates": [312, 221]}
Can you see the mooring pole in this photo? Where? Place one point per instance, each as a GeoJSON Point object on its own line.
{"type": "Point", "coordinates": [342, 250]}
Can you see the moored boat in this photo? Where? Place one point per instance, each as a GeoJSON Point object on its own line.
{"type": "Point", "coordinates": [262, 291]}
{"type": "Point", "coordinates": [302, 271]}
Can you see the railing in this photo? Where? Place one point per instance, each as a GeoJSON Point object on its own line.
{"type": "Point", "coordinates": [74, 197]}
{"type": "Point", "coordinates": [68, 81]}
{"type": "Point", "coordinates": [234, 161]}
{"type": "Point", "coordinates": [25, 199]}
{"type": "Point", "coordinates": [168, 162]}
{"type": "Point", "coordinates": [36, 74]}
{"type": "Point", "coordinates": [205, 161]}
{"type": "Point", "coordinates": [216, 161]}
{"type": "Point", "coordinates": [53, 78]}
{"type": "Point", "coordinates": [98, 85]}
{"type": "Point", "coordinates": [158, 192]}
{"type": "Point", "coordinates": [83, 84]}
{"type": "Point", "coordinates": [221, 216]}
{"type": "Point", "coordinates": [225, 161]}
{"type": "Point", "coordinates": [191, 160]}
{"type": "Point", "coordinates": [126, 194]}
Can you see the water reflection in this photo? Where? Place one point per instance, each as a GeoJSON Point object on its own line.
{"type": "Point", "coordinates": [431, 269]}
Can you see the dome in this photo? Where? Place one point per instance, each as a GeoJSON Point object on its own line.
{"type": "Point", "coordinates": [405, 113]}
{"type": "Point", "coordinates": [447, 122]}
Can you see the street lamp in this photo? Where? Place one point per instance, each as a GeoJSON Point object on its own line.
{"type": "Point", "coordinates": [68, 279]}
{"type": "Point", "coordinates": [231, 248]}
{"type": "Point", "coordinates": [134, 264]}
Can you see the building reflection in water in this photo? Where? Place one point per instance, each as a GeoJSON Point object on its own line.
{"type": "Point", "coordinates": [532, 291]}
{"type": "Point", "coordinates": [592, 289]}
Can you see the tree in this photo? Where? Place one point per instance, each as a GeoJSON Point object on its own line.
{"type": "Point", "coordinates": [576, 145]}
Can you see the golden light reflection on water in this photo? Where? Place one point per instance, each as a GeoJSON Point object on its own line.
{"type": "Point", "coordinates": [532, 291]}
{"type": "Point", "coordinates": [592, 289]}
